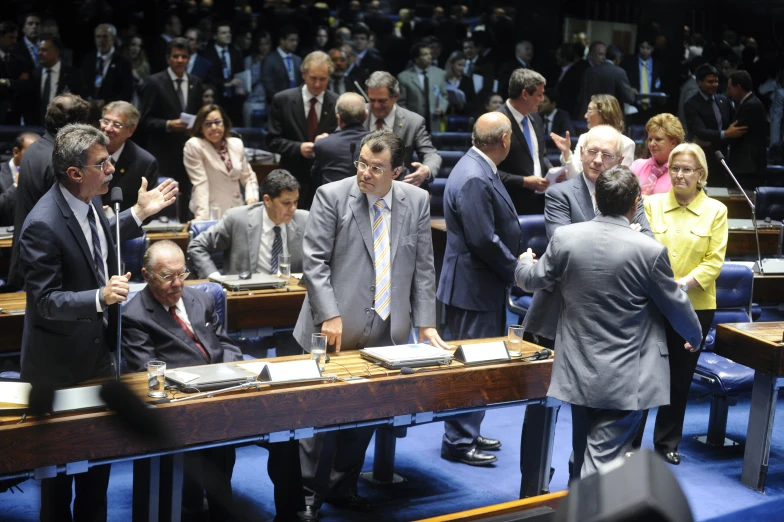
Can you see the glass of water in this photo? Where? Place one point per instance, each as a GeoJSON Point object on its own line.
{"type": "Point", "coordinates": [215, 213]}
{"type": "Point", "coordinates": [318, 347]}
{"type": "Point", "coordinates": [514, 339]}
{"type": "Point", "coordinates": [156, 379]}
{"type": "Point", "coordinates": [284, 266]}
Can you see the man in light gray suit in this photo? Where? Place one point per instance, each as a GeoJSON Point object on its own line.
{"type": "Point", "coordinates": [423, 87]}
{"type": "Point", "coordinates": [248, 234]}
{"type": "Point", "coordinates": [362, 234]}
{"type": "Point", "coordinates": [616, 284]}
{"type": "Point", "coordinates": [383, 92]}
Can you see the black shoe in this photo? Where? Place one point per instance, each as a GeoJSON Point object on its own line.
{"type": "Point", "coordinates": [673, 457]}
{"type": "Point", "coordinates": [311, 514]}
{"type": "Point", "coordinates": [353, 503]}
{"type": "Point", "coordinates": [474, 457]}
{"type": "Point", "coordinates": [485, 444]}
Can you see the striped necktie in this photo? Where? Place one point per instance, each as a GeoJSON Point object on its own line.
{"type": "Point", "coordinates": [382, 261]}
{"type": "Point", "coordinates": [277, 250]}
{"type": "Point", "coordinates": [98, 259]}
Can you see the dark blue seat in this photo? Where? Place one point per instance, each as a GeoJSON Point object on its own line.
{"type": "Point", "coordinates": [171, 211]}
{"type": "Point", "coordinates": [132, 256]}
{"type": "Point", "coordinates": [196, 228]}
{"type": "Point", "coordinates": [774, 175]}
{"type": "Point", "coordinates": [449, 159]}
{"type": "Point", "coordinates": [534, 236]}
{"type": "Point", "coordinates": [636, 132]}
{"type": "Point", "coordinates": [451, 140]}
{"type": "Point", "coordinates": [459, 123]}
{"type": "Point", "coordinates": [770, 202]}
{"type": "Point", "coordinates": [217, 291]}
{"type": "Point", "coordinates": [725, 380]}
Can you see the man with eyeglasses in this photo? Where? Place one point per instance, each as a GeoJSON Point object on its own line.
{"type": "Point", "coordinates": [67, 251]}
{"type": "Point", "coordinates": [131, 162]}
{"type": "Point", "coordinates": [574, 201]}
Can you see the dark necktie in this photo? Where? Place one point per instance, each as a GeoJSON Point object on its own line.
{"type": "Point", "coordinates": [716, 111]}
{"type": "Point", "coordinates": [189, 332]}
{"type": "Point", "coordinates": [226, 71]}
{"type": "Point", "coordinates": [312, 119]}
{"type": "Point", "coordinates": [427, 114]}
{"type": "Point", "coordinates": [98, 76]}
{"type": "Point", "coordinates": [290, 71]}
{"type": "Point", "coordinates": [277, 250]}
{"type": "Point", "coordinates": [179, 93]}
{"type": "Point", "coordinates": [379, 124]}
{"type": "Point", "coordinates": [98, 259]}
{"type": "Point", "coordinates": [547, 122]}
{"type": "Point", "coordinates": [47, 94]}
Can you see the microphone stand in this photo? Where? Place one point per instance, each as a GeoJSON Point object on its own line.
{"type": "Point", "coordinates": [119, 272]}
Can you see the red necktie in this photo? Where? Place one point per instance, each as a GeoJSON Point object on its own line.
{"type": "Point", "coordinates": [188, 332]}
{"type": "Point", "coordinates": [312, 119]}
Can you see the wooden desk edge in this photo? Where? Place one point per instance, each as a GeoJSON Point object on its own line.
{"type": "Point", "coordinates": [550, 500]}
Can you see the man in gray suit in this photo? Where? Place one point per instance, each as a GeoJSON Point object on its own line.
{"type": "Point", "coordinates": [362, 234]}
{"type": "Point", "coordinates": [423, 87]}
{"type": "Point", "coordinates": [248, 234]}
{"type": "Point", "coordinates": [611, 361]}
{"type": "Point", "coordinates": [383, 92]}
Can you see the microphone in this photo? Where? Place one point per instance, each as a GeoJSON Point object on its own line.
{"type": "Point", "coordinates": [116, 197]}
{"type": "Point", "coordinates": [541, 355]}
{"type": "Point", "coordinates": [136, 416]}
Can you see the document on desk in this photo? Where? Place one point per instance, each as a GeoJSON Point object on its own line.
{"type": "Point", "coordinates": [14, 395]}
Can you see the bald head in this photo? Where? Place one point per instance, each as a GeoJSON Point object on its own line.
{"type": "Point", "coordinates": [606, 134]}
{"type": "Point", "coordinates": [350, 109]}
{"type": "Point", "coordinates": [492, 135]}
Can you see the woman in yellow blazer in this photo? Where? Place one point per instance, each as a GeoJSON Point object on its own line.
{"type": "Point", "coordinates": [217, 166]}
{"type": "Point", "coordinates": [693, 227]}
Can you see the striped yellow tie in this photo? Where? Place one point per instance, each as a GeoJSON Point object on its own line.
{"type": "Point", "coordinates": [382, 263]}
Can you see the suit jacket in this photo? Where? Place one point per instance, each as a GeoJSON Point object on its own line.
{"type": "Point", "coordinates": [482, 240]}
{"type": "Point", "coordinates": [64, 340]}
{"type": "Point", "coordinates": [275, 76]}
{"type": "Point", "coordinates": [611, 342]}
{"type": "Point", "coordinates": [238, 235]}
{"type": "Point", "coordinates": [688, 89]}
{"type": "Point", "coordinates": [631, 64]}
{"type": "Point", "coordinates": [334, 156]}
{"type": "Point", "coordinates": [412, 94]}
{"type": "Point", "coordinates": [338, 263]}
{"type": "Point", "coordinates": [216, 78]}
{"type": "Point", "coordinates": [605, 78]}
{"type": "Point", "coordinates": [702, 124]}
{"type": "Point", "coordinates": [748, 154]}
{"type": "Point", "coordinates": [561, 123]}
{"type": "Point", "coordinates": [6, 176]}
{"type": "Point", "coordinates": [159, 104]}
{"type": "Point", "coordinates": [149, 332]}
{"type": "Point", "coordinates": [213, 184]}
{"type": "Point", "coordinates": [69, 81]}
{"type": "Point", "coordinates": [372, 61]}
{"type": "Point", "coordinates": [134, 164]}
{"type": "Point", "coordinates": [356, 75]}
{"type": "Point", "coordinates": [568, 89]}
{"type": "Point", "coordinates": [411, 127]}
{"type": "Point", "coordinates": [117, 84]}
{"type": "Point", "coordinates": [505, 73]}
{"type": "Point", "coordinates": [201, 67]}
{"type": "Point", "coordinates": [16, 70]}
{"type": "Point", "coordinates": [565, 203]}
{"type": "Point", "coordinates": [519, 164]}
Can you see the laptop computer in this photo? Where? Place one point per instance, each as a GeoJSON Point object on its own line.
{"type": "Point", "coordinates": [256, 282]}
{"type": "Point", "coordinates": [209, 376]}
{"type": "Point", "coordinates": [406, 355]}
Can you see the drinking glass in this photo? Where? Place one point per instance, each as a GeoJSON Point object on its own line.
{"type": "Point", "coordinates": [514, 339]}
{"type": "Point", "coordinates": [156, 379]}
{"type": "Point", "coordinates": [318, 347]}
{"type": "Point", "coordinates": [215, 213]}
{"type": "Point", "coordinates": [284, 266]}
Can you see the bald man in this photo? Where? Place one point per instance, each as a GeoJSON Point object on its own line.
{"type": "Point", "coordinates": [482, 243]}
{"type": "Point", "coordinates": [334, 155]}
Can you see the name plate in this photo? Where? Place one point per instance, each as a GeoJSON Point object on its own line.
{"type": "Point", "coordinates": [291, 371]}
{"type": "Point", "coordinates": [482, 353]}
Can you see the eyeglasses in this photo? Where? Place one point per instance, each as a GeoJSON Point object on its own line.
{"type": "Point", "coordinates": [361, 165]}
{"type": "Point", "coordinates": [169, 278]}
{"type": "Point", "coordinates": [213, 123]}
{"type": "Point", "coordinates": [116, 124]}
{"type": "Point", "coordinates": [102, 165]}
{"type": "Point", "coordinates": [685, 170]}
{"type": "Point", "coordinates": [606, 156]}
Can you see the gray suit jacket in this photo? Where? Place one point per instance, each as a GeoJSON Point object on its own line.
{"type": "Point", "coordinates": [611, 343]}
{"type": "Point", "coordinates": [338, 264]}
{"type": "Point", "coordinates": [6, 176]}
{"type": "Point", "coordinates": [412, 94]}
{"type": "Point", "coordinates": [411, 127]}
{"type": "Point", "coordinates": [238, 234]}
{"type": "Point", "coordinates": [565, 203]}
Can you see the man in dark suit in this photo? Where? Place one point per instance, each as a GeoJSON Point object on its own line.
{"type": "Point", "coordinates": [14, 72]}
{"type": "Point", "coordinates": [131, 162]}
{"type": "Point", "coordinates": [172, 28]}
{"type": "Point", "coordinates": [334, 156]}
{"type": "Point", "coordinates": [367, 57]}
{"type": "Point", "coordinates": [603, 77]}
{"type": "Point", "coordinates": [198, 65]}
{"type": "Point", "coordinates": [106, 75]}
{"type": "Point", "coordinates": [524, 169]}
{"type": "Point", "coordinates": [482, 245]}
{"type": "Point", "coordinates": [51, 79]}
{"type": "Point", "coordinates": [27, 48]}
{"type": "Point", "coordinates": [644, 73]}
{"type": "Point", "coordinates": [161, 107]}
{"type": "Point", "coordinates": [554, 119]}
{"type": "Point", "coordinates": [68, 255]}
{"type": "Point", "coordinates": [748, 153]}
{"type": "Point", "coordinates": [524, 53]}
{"type": "Point", "coordinates": [476, 66]}
{"type": "Point", "coordinates": [709, 118]}
{"type": "Point", "coordinates": [178, 325]}
{"type": "Point", "coordinates": [340, 81]}
{"type": "Point", "coordinates": [298, 116]}
{"type": "Point", "coordinates": [281, 67]}
{"type": "Point", "coordinates": [226, 62]}
{"type": "Point", "coordinates": [9, 172]}
{"type": "Point", "coordinates": [567, 86]}
{"type": "Point", "coordinates": [36, 176]}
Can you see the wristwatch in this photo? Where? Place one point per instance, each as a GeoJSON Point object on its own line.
{"type": "Point", "coordinates": [684, 287]}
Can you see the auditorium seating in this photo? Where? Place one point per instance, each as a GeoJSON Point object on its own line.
{"type": "Point", "coordinates": [725, 380]}
{"type": "Point", "coordinates": [449, 159]}
{"type": "Point", "coordinates": [451, 140]}
{"type": "Point", "coordinates": [459, 123]}
{"type": "Point", "coordinates": [770, 203]}
{"type": "Point", "coordinates": [217, 292]}
{"type": "Point", "coordinates": [132, 256]}
{"type": "Point", "coordinates": [196, 228]}
{"type": "Point", "coordinates": [534, 236]}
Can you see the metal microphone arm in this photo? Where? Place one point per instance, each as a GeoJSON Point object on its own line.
{"type": "Point", "coordinates": [116, 198]}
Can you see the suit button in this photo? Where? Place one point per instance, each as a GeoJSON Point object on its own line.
{"type": "Point", "coordinates": [97, 340]}
{"type": "Point", "coordinates": [367, 310]}
{"type": "Point", "coordinates": [372, 288]}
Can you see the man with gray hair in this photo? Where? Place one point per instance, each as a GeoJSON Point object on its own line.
{"type": "Point", "coordinates": [482, 243]}
{"type": "Point", "coordinates": [383, 92]}
{"type": "Point", "coordinates": [525, 168]}
{"type": "Point", "coordinates": [333, 156]}
{"type": "Point", "coordinates": [131, 162]}
{"type": "Point", "coordinates": [107, 76]}
{"type": "Point", "coordinates": [67, 251]}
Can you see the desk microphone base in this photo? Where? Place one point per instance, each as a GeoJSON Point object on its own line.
{"type": "Point", "coordinates": [770, 266]}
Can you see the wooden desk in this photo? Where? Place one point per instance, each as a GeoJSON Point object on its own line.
{"type": "Point", "coordinates": [6, 245]}
{"type": "Point", "coordinates": [181, 237]}
{"type": "Point", "coordinates": [758, 346]}
{"type": "Point", "coordinates": [743, 242]}
{"type": "Point", "coordinates": [768, 288]}
{"type": "Point", "coordinates": [263, 167]}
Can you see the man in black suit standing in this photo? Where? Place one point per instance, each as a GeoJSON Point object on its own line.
{"type": "Point", "coordinates": [524, 53]}
{"type": "Point", "coordinates": [567, 87]}
{"type": "Point", "coordinates": [710, 122]}
{"type": "Point", "coordinates": [367, 58]}
{"type": "Point", "coordinates": [197, 65]}
{"type": "Point", "coordinates": [166, 95]}
{"type": "Point", "coordinates": [281, 68]}
{"type": "Point", "coordinates": [51, 79]}
{"type": "Point", "coordinates": [14, 72]}
{"type": "Point", "coordinates": [334, 156]}
{"type": "Point", "coordinates": [27, 49]}
{"type": "Point", "coordinates": [524, 169]}
{"type": "Point", "coordinates": [9, 173]}
{"type": "Point", "coordinates": [340, 81]}
{"type": "Point", "coordinates": [226, 63]}
{"type": "Point", "coordinates": [107, 76]}
{"type": "Point", "coordinates": [603, 77]}
{"type": "Point", "coordinates": [131, 162]}
{"type": "Point", "coordinates": [298, 116]}
{"type": "Point", "coordinates": [68, 255]}
{"type": "Point", "coordinates": [644, 73]}
{"type": "Point", "coordinates": [748, 153]}
{"type": "Point", "coordinates": [554, 119]}
{"type": "Point", "coordinates": [172, 28]}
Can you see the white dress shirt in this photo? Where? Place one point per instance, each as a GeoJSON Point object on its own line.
{"type": "Point", "coordinates": [265, 245]}
{"type": "Point", "coordinates": [117, 154]}
{"type": "Point", "coordinates": [534, 142]}
{"type": "Point", "coordinates": [487, 159]}
{"type": "Point", "coordinates": [389, 121]}
{"type": "Point", "coordinates": [54, 74]}
{"type": "Point", "coordinates": [107, 59]}
{"type": "Point", "coordinates": [306, 97]}
{"type": "Point", "coordinates": [182, 314]}
{"type": "Point", "coordinates": [592, 191]}
{"type": "Point", "coordinates": [184, 86]}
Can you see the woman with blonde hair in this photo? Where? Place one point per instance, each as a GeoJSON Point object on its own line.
{"type": "Point", "coordinates": [602, 110]}
{"type": "Point", "coordinates": [665, 132]}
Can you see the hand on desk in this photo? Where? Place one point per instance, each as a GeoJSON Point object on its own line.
{"type": "Point", "coordinates": [116, 290]}
{"type": "Point", "coordinates": [333, 329]}
{"type": "Point", "coordinates": [430, 334]}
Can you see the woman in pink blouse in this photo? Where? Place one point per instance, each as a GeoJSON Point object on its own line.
{"type": "Point", "coordinates": [665, 132]}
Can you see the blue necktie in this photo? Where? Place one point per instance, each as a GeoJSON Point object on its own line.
{"type": "Point", "coordinates": [226, 72]}
{"type": "Point", "coordinates": [382, 264]}
{"type": "Point", "coordinates": [277, 250]}
{"type": "Point", "coordinates": [290, 69]}
{"type": "Point", "coordinates": [527, 134]}
{"type": "Point", "coordinates": [98, 259]}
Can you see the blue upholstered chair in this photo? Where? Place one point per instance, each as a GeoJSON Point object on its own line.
{"type": "Point", "coordinates": [770, 203]}
{"type": "Point", "coordinates": [171, 212]}
{"type": "Point", "coordinates": [217, 291]}
{"type": "Point", "coordinates": [196, 228]}
{"type": "Point", "coordinates": [451, 140]}
{"type": "Point", "coordinates": [534, 236]}
{"type": "Point", "coordinates": [449, 159]}
{"type": "Point", "coordinates": [459, 123]}
{"type": "Point", "coordinates": [132, 256]}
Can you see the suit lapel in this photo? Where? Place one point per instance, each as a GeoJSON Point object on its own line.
{"type": "Point", "coordinates": [399, 211]}
{"type": "Point", "coordinates": [196, 316]}
{"type": "Point", "coordinates": [584, 198]}
{"type": "Point", "coordinates": [359, 207]}
{"type": "Point", "coordinates": [76, 230]}
{"type": "Point", "coordinates": [255, 220]}
{"type": "Point", "coordinates": [111, 257]}
{"type": "Point", "coordinates": [299, 114]}
{"type": "Point", "coordinates": [400, 123]}
{"type": "Point", "coordinates": [517, 132]}
{"type": "Point", "coordinates": [327, 108]}
{"type": "Point", "coordinates": [163, 317]}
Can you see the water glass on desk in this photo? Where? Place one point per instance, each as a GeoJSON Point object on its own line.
{"type": "Point", "coordinates": [156, 379]}
{"type": "Point", "coordinates": [514, 339]}
{"type": "Point", "coordinates": [284, 266]}
{"type": "Point", "coordinates": [318, 347]}
{"type": "Point", "coordinates": [215, 213]}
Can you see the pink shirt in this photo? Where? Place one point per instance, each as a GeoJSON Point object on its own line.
{"type": "Point", "coordinates": [653, 179]}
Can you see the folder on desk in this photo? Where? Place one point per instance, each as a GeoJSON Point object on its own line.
{"type": "Point", "coordinates": [256, 282]}
{"type": "Point", "coordinates": [406, 355]}
{"type": "Point", "coordinates": [209, 376]}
